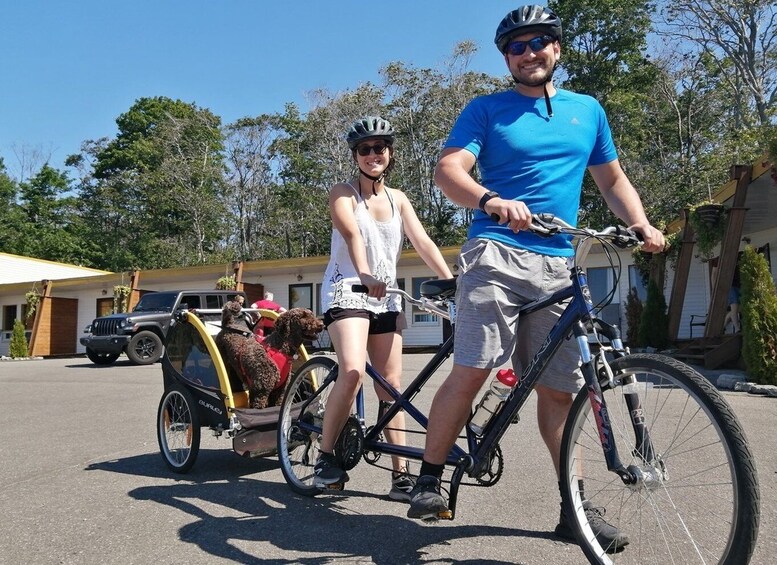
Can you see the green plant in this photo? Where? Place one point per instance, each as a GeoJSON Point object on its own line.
{"type": "Point", "coordinates": [18, 347]}
{"type": "Point", "coordinates": [121, 296]}
{"type": "Point", "coordinates": [633, 316]}
{"type": "Point", "coordinates": [33, 299]}
{"type": "Point", "coordinates": [759, 318]}
{"type": "Point", "coordinates": [674, 242]}
{"type": "Point", "coordinates": [708, 233]}
{"type": "Point", "coordinates": [226, 283]}
{"type": "Point", "coordinates": [654, 323]}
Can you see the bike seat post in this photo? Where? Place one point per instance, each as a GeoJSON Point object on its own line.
{"type": "Point", "coordinates": [360, 406]}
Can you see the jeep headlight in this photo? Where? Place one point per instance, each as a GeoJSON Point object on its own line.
{"type": "Point", "coordinates": [88, 329]}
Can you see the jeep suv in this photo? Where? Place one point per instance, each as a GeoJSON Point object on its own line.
{"type": "Point", "coordinates": [141, 333]}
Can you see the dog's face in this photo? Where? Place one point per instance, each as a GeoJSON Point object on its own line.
{"type": "Point", "coordinates": [296, 326]}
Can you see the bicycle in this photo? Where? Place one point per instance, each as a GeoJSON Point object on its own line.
{"type": "Point", "coordinates": [687, 490]}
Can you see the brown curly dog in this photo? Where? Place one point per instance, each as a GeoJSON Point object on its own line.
{"type": "Point", "coordinates": [264, 367]}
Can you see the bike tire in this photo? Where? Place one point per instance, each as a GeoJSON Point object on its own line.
{"type": "Point", "coordinates": [297, 450]}
{"type": "Point", "coordinates": [178, 429]}
{"type": "Point", "coordinates": [702, 505]}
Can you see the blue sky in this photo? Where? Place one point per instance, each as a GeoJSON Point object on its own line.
{"type": "Point", "coordinates": [70, 68]}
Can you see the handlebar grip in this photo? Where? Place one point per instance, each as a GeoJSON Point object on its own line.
{"type": "Point", "coordinates": [359, 288]}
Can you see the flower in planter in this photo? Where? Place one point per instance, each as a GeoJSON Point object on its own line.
{"type": "Point", "coordinates": [226, 283]}
{"type": "Point", "coordinates": [708, 222]}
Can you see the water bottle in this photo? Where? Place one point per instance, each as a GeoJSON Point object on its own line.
{"type": "Point", "coordinates": [496, 394]}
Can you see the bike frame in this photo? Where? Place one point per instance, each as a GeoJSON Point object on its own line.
{"type": "Point", "coordinates": [477, 455]}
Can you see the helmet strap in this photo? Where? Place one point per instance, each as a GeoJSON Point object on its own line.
{"type": "Point", "coordinates": [374, 179]}
{"type": "Point", "coordinates": [547, 100]}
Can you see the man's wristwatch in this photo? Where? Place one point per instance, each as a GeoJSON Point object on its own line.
{"type": "Point", "coordinates": [485, 198]}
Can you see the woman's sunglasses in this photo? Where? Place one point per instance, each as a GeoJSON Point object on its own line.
{"type": "Point", "coordinates": [536, 44]}
{"type": "Point", "coordinates": [378, 149]}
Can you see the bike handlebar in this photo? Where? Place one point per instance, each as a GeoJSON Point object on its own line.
{"type": "Point", "coordinates": [547, 225]}
{"type": "Point", "coordinates": [422, 303]}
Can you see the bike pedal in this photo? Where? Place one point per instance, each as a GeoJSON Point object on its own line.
{"type": "Point", "coordinates": [445, 515]}
{"type": "Point", "coordinates": [335, 486]}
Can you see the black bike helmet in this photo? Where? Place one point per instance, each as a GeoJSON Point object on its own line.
{"type": "Point", "coordinates": [527, 19]}
{"type": "Point", "coordinates": [369, 127]}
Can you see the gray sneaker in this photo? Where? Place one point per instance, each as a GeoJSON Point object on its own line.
{"type": "Point", "coordinates": [608, 536]}
{"type": "Point", "coordinates": [328, 471]}
{"type": "Point", "coordinates": [401, 486]}
{"type": "Point", "coordinates": [426, 502]}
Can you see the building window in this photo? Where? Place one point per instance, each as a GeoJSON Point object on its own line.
{"type": "Point", "coordinates": [600, 283]}
{"type": "Point", "coordinates": [301, 296]}
{"type": "Point", "coordinates": [9, 317]}
{"type": "Point", "coordinates": [421, 318]}
{"type": "Point", "coordinates": [104, 307]}
{"type": "Point", "coordinates": [635, 281]}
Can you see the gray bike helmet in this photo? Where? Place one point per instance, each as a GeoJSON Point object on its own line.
{"type": "Point", "coordinates": [527, 19]}
{"type": "Point", "coordinates": [370, 127]}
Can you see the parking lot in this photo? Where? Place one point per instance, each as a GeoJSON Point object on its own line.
{"type": "Point", "coordinates": [82, 481]}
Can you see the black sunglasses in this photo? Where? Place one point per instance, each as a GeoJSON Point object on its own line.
{"type": "Point", "coordinates": [378, 149]}
{"type": "Point", "coordinates": [536, 44]}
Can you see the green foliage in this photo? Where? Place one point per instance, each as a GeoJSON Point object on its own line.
{"type": "Point", "coordinates": [708, 233]}
{"type": "Point", "coordinates": [174, 188]}
{"type": "Point", "coordinates": [759, 318]}
{"type": "Point", "coordinates": [654, 324]}
{"type": "Point", "coordinates": [227, 282]}
{"type": "Point", "coordinates": [633, 317]}
{"type": "Point", "coordinates": [18, 346]}
{"type": "Point", "coordinates": [121, 294]}
{"type": "Point", "coordinates": [33, 299]}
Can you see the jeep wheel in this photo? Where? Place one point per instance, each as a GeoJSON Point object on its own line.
{"type": "Point", "coordinates": [145, 348]}
{"type": "Point", "coordinates": [101, 358]}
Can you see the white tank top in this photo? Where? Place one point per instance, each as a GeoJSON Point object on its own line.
{"type": "Point", "coordinates": [383, 243]}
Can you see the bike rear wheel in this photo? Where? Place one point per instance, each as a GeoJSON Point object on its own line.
{"type": "Point", "coordinates": [298, 449]}
{"type": "Point", "coordinates": [698, 500]}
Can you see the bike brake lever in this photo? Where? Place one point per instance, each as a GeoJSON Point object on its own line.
{"type": "Point", "coordinates": [624, 237]}
{"type": "Point", "coordinates": [542, 225]}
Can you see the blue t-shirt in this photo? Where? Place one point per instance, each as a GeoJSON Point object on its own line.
{"type": "Point", "coordinates": [525, 155]}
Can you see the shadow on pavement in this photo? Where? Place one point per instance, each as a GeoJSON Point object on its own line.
{"type": "Point", "coordinates": [230, 510]}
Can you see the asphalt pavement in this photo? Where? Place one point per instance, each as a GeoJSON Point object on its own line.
{"type": "Point", "coordinates": [82, 482]}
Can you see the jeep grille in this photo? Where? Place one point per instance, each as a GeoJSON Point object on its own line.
{"type": "Point", "coordinates": [109, 326]}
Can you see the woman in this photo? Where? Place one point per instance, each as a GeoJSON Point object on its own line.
{"type": "Point", "coordinates": [370, 221]}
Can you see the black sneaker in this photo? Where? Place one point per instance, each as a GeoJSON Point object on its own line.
{"type": "Point", "coordinates": [402, 485]}
{"type": "Point", "coordinates": [328, 471]}
{"type": "Point", "coordinates": [608, 536]}
{"type": "Point", "coordinates": [426, 502]}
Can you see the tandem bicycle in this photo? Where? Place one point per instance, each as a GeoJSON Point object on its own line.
{"type": "Point", "coordinates": [650, 438]}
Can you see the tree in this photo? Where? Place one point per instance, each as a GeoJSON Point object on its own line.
{"type": "Point", "coordinates": [48, 218]}
{"type": "Point", "coordinates": [138, 201]}
{"type": "Point", "coordinates": [633, 317]}
{"type": "Point", "coordinates": [18, 346]}
{"type": "Point", "coordinates": [423, 106]}
{"type": "Point", "coordinates": [249, 183]}
{"type": "Point", "coordinates": [186, 189]}
{"type": "Point", "coordinates": [602, 56]}
{"type": "Point", "coordinates": [741, 40]}
{"type": "Point", "coordinates": [759, 318]}
{"type": "Point", "coordinates": [654, 324]}
{"type": "Point", "coordinates": [10, 214]}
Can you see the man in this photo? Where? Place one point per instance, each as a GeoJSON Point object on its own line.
{"type": "Point", "coordinates": [267, 303]}
{"type": "Point", "coordinates": [533, 145]}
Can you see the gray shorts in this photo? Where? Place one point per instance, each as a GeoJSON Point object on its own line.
{"type": "Point", "coordinates": [495, 281]}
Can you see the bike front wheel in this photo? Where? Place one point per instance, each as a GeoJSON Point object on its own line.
{"type": "Point", "coordinates": [300, 420]}
{"type": "Point", "coordinates": [696, 496]}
